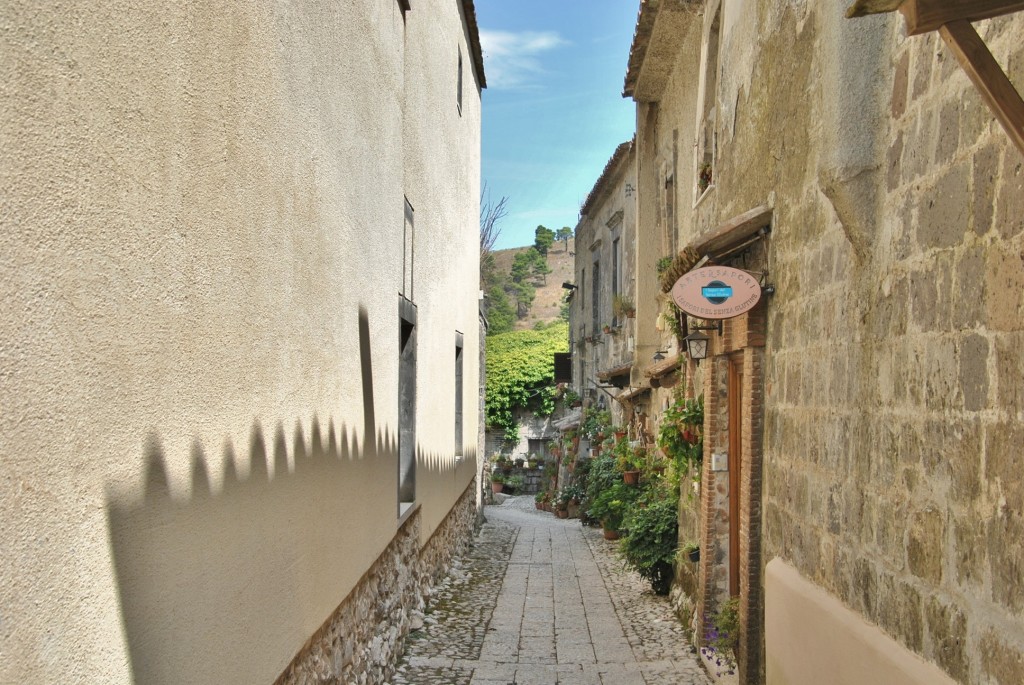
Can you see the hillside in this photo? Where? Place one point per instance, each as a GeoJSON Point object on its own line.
{"type": "Point", "coordinates": [548, 301]}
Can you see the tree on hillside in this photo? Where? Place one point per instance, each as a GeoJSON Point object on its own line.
{"type": "Point", "coordinates": [544, 238]}
{"type": "Point", "coordinates": [539, 268]}
{"type": "Point", "coordinates": [563, 234]}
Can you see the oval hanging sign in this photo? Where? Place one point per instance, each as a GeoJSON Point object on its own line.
{"type": "Point", "coordinates": [716, 292]}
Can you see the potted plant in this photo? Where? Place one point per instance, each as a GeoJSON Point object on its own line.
{"type": "Point", "coordinates": [497, 482]}
{"type": "Point", "coordinates": [629, 461]}
{"type": "Point", "coordinates": [514, 484]}
{"type": "Point", "coordinates": [519, 462]}
{"type": "Point", "coordinates": [692, 551]}
{"type": "Point", "coordinates": [704, 176]}
{"type": "Point", "coordinates": [532, 461]}
{"type": "Point", "coordinates": [538, 500]}
{"type": "Point", "coordinates": [623, 306]}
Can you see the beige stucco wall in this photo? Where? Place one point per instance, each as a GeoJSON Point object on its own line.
{"type": "Point", "coordinates": [812, 638]}
{"type": "Point", "coordinates": [197, 202]}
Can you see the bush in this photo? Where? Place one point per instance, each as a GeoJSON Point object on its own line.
{"type": "Point", "coordinates": [650, 547]}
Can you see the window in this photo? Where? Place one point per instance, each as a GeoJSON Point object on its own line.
{"type": "Point", "coordinates": [408, 252]}
{"type": "Point", "coordinates": [596, 297]}
{"type": "Point", "coordinates": [459, 93]}
{"type": "Point", "coordinates": [706, 127]}
{"type": "Point", "coordinates": [406, 405]}
{"type": "Point", "coordinates": [458, 393]}
{"type": "Point", "coordinates": [616, 273]}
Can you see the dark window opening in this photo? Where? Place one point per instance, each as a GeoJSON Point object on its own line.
{"type": "Point", "coordinates": [406, 406]}
{"type": "Point", "coordinates": [458, 394]}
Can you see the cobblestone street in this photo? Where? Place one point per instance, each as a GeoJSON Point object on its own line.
{"type": "Point", "coordinates": [539, 601]}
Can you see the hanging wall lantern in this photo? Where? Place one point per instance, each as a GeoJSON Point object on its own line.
{"type": "Point", "coordinates": [696, 346]}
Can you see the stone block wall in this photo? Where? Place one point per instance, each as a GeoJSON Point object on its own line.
{"type": "Point", "coordinates": [894, 375]}
{"type": "Point", "coordinates": [362, 640]}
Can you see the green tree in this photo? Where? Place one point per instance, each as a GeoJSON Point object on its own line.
{"type": "Point", "coordinates": [563, 234]}
{"type": "Point", "coordinates": [499, 311]}
{"type": "Point", "coordinates": [543, 239]}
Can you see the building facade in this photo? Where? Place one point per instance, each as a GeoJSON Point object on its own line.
{"type": "Point", "coordinates": [603, 323]}
{"type": "Point", "coordinates": [240, 334]}
{"type": "Point", "coordinates": [858, 493]}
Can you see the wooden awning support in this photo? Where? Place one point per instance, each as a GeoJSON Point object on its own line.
{"type": "Point", "coordinates": [952, 19]}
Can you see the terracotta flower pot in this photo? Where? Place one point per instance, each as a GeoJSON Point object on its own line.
{"type": "Point", "coordinates": [497, 487]}
{"type": "Point", "coordinates": [610, 534]}
{"type": "Point", "coordinates": [562, 513]}
{"type": "Point", "coordinates": [630, 477]}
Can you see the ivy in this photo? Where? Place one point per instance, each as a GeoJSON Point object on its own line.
{"type": "Point", "coordinates": [521, 374]}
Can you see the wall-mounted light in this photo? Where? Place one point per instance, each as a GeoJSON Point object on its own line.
{"type": "Point", "coordinates": [697, 342]}
{"type": "Point", "coordinates": [659, 355]}
{"type": "Point", "coordinates": [696, 346]}
{"type": "Point", "coordinates": [569, 286]}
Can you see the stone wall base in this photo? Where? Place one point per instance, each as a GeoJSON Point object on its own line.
{"type": "Point", "coordinates": [361, 641]}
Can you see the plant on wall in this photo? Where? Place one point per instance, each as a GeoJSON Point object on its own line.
{"type": "Point", "coordinates": [704, 176]}
{"type": "Point", "coordinates": [722, 637]}
{"type": "Point", "coordinates": [520, 375]}
{"type": "Point", "coordinates": [623, 306]}
{"type": "Point", "coordinates": [681, 434]}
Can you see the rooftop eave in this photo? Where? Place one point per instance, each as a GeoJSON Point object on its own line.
{"type": "Point", "coordinates": [615, 167]}
{"type": "Point", "coordinates": [660, 26]}
{"type": "Point", "coordinates": [474, 42]}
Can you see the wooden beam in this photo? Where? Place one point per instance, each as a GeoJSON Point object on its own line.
{"type": "Point", "coordinates": [988, 77]}
{"type": "Point", "coordinates": [733, 231]}
{"type": "Point", "coordinates": [928, 15]}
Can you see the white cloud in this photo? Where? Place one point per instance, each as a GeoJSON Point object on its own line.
{"type": "Point", "coordinates": [511, 59]}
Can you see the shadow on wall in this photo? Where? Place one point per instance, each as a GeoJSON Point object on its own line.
{"type": "Point", "coordinates": [227, 587]}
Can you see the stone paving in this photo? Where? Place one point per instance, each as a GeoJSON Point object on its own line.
{"type": "Point", "coordinates": [543, 601]}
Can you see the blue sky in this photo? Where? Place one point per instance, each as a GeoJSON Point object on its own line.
{"type": "Point", "coordinates": [553, 110]}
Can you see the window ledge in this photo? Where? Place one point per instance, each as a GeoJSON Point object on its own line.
{"type": "Point", "coordinates": [707, 191]}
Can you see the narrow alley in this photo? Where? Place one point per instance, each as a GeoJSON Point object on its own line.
{"type": "Point", "coordinates": [538, 601]}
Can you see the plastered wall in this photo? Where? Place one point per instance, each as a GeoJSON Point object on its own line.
{"type": "Point", "coordinates": [200, 264]}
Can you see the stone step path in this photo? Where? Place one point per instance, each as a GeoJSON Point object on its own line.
{"type": "Point", "coordinates": [544, 601]}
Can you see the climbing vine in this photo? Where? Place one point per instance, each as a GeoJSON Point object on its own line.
{"type": "Point", "coordinates": [521, 374]}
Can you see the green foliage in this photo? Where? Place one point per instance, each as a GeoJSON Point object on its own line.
{"type": "Point", "coordinates": [515, 483]}
{"type": "Point", "coordinates": [680, 435]}
{"type": "Point", "coordinates": [611, 506]}
{"type": "Point", "coordinates": [653, 537]}
{"type": "Point", "coordinates": [563, 234]}
{"type": "Point", "coordinates": [723, 637]}
{"type": "Point", "coordinates": [673, 317]}
{"type": "Point", "coordinates": [544, 238]}
{"type": "Point", "coordinates": [663, 264]}
{"type": "Point", "coordinates": [520, 375]}
{"type": "Point", "coordinates": [594, 422]}
{"type": "Point", "coordinates": [500, 314]}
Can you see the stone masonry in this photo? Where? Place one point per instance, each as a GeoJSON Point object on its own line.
{"type": "Point", "coordinates": [537, 601]}
{"type": "Point", "coordinates": [361, 641]}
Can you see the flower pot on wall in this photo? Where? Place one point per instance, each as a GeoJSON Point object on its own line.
{"type": "Point", "coordinates": [693, 554]}
{"type": "Point", "coordinates": [630, 477]}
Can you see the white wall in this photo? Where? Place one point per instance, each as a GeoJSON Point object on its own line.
{"type": "Point", "coordinates": [198, 200]}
